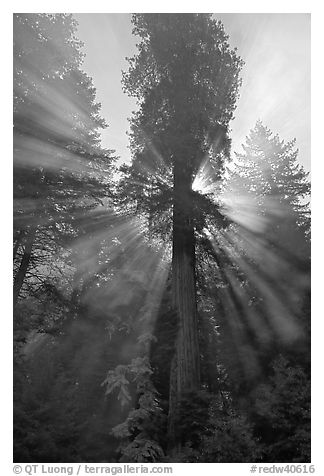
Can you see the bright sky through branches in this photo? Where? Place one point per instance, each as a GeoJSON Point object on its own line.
{"type": "Point", "coordinates": [276, 74]}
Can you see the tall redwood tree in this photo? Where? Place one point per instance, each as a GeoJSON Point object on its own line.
{"type": "Point", "coordinates": [185, 78]}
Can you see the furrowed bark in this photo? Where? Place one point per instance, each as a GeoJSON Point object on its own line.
{"type": "Point", "coordinates": [185, 368]}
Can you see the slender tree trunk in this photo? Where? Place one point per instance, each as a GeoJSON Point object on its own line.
{"type": "Point", "coordinates": [185, 368]}
{"type": "Point", "coordinates": [18, 241]}
{"type": "Point", "coordinates": [21, 273]}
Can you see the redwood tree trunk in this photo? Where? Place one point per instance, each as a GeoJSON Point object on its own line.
{"type": "Point", "coordinates": [185, 368]}
{"type": "Point", "coordinates": [21, 273]}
